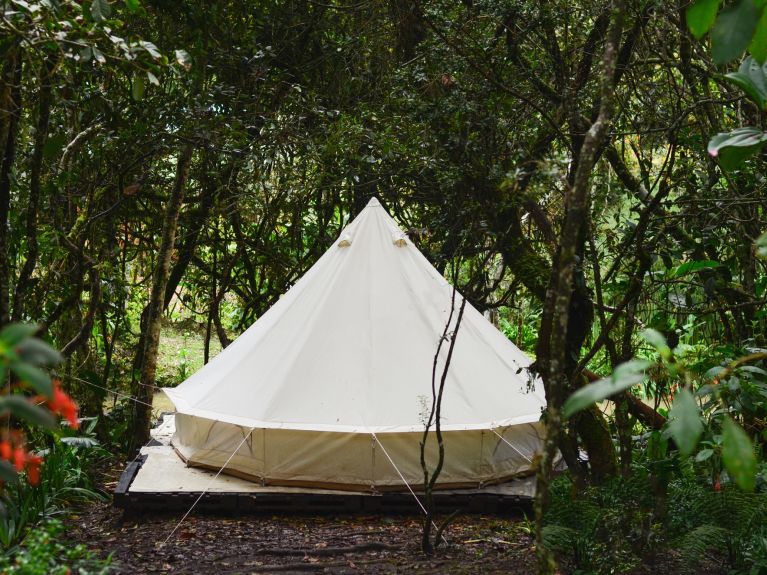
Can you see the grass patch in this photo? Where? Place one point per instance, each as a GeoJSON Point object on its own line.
{"type": "Point", "coordinates": [182, 352]}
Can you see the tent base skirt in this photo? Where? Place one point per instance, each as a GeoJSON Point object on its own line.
{"type": "Point", "coordinates": [350, 487]}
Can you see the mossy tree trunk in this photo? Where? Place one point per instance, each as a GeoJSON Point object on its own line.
{"type": "Point", "coordinates": [10, 114]}
{"type": "Point", "coordinates": [553, 352]}
{"type": "Point", "coordinates": [153, 312]}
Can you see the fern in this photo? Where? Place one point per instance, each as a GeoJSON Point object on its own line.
{"type": "Point", "coordinates": [560, 539]}
{"type": "Point", "coordinates": [607, 529]}
{"type": "Point", "coordinates": [697, 544]}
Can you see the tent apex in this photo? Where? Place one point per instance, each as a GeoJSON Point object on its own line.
{"type": "Point", "coordinates": [373, 203]}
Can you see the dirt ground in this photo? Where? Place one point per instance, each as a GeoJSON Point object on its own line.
{"type": "Point", "coordinates": [339, 545]}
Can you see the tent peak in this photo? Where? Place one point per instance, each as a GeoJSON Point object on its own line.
{"type": "Point", "coordinates": [373, 203]}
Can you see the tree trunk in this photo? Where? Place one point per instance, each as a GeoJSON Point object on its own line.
{"type": "Point", "coordinates": [155, 306]}
{"type": "Point", "coordinates": [33, 202]}
{"type": "Point", "coordinates": [552, 348]}
{"type": "Point", "coordinates": [192, 229]}
{"type": "Point", "coordinates": [10, 112]}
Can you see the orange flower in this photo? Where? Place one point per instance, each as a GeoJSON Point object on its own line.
{"type": "Point", "coordinates": [33, 469]}
{"type": "Point", "coordinates": [63, 405]}
{"type": "Point", "coordinates": [19, 458]}
{"type": "Point", "coordinates": [5, 450]}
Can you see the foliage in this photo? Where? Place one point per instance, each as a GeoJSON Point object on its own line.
{"type": "Point", "coordinates": [23, 356]}
{"type": "Point", "coordinates": [686, 422]}
{"type": "Point", "coordinates": [620, 525]}
{"type": "Point", "coordinates": [45, 552]}
{"type": "Point", "coordinates": [625, 376]}
{"type": "Point", "coordinates": [603, 530]}
{"type": "Point", "coordinates": [739, 26]}
{"type": "Point", "coordinates": [66, 480]}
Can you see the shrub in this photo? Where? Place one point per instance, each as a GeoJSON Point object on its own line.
{"type": "Point", "coordinates": [43, 553]}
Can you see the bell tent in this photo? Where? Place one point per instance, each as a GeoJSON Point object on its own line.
{"type": "Point", "coordinates": [331, 387]}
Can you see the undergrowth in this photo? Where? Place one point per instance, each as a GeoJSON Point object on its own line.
{"type": "Point", "coordinates": [623, 523]}
{"type": "Point", "coordinates": [65, 480]}
{"type": "Point", "coordinates": [45, 552]}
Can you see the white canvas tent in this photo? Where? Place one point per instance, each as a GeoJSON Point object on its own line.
{"type": "Point", "coordinates": [331, 386]}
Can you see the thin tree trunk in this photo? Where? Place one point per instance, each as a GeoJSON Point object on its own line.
{"type": "Point", "coordinates": [552, 344]}
{"type": "Point", "coordinates": [33, 202]}
{"type": "Point", "coordinates": [192, 230]}
{"type": "Point", "coordinates": [435, 417]}
{"type": "Point", "coordinates": [84, 333]}
{"type": "Point", "coordinates": [10, 112]}
{"type": "Point", "coordinates": [155, 306]}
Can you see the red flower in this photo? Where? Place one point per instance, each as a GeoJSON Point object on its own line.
{"type": "Point", "coordinates": [5, 450]}
{"type": "Point", "coordinates": [19, 458]}
{"type": "Point", "coordinates": [64, 405]}
{"type": "Point", "coordinates": [33, 469]}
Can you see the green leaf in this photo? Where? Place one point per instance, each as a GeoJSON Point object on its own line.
{"type": "Point", "coordinates": [36, 378]}
{"type": "Point", "coordinates": [53, 146]}
{"type": "Point", "coordinates": [733, 30]}
{"type": "Point", "coordinates": [704, 454]}
{"type": "Point", "coordinates": [15, 332]}
{"type": "Point", "coordinates": [8, 473]}
{"type": "Point", "coordinates": [685, 425]}
{"type": "Point", "coordinates": [693, 266]}
{"type": "Point", "coordinates": [732, 148]}
{"type": "Point", "coordinates": [151, 48]}
{"type": "Point", "coordinates": [133, 5]}
{"type": "Point", "coordinates": [38, 352]}
{"type": "Point", "coordinates": [100, 10]}
{"type": "Point", "coordinates": [22, 408]}
{"type": "Point", "coordinates": [656, 339]}
{"type": "Point", "coordinates": [751, 78]}
{"type": "Point", "coordinates": [738, 455]}
{"type": "Point", "coordinates": [98, 55]}
{"type": "Point", "coordinates": [758, 46]}
{"type": "Point", "coordinates": [701, 16]}
{"type": "Point", "coordinates": [624, 376]}
{"type": "Point", "coordinates": [138, 88]}
{"type": "Point", "coordinates": [80, 441]}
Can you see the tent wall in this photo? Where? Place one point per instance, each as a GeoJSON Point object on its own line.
{"type": "Point", "coordinates": [354, 461]}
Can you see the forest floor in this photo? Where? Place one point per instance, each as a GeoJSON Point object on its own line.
{"type": "Point", "coordinates": [377, 545]}
{"type": "Point", "coordinates": [340, 545]}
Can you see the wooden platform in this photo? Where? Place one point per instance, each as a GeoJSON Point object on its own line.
{"type": "Point", "coordinates": [159, 481]}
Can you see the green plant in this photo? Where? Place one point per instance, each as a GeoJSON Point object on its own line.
{"type": "Point", "coordinates": [605, 529]}
{"type": "Point", "coordinates": [739, 26]}
{"type": "Point", "coordinates": [65, 481]}
{"type": "Point", "coordinates": [43, 553]}
{"type": "Point", "coordinates": [696, 408]}
{"type": "Point", "coordinates": [183, 360]}
{"type": "Point", "coordinates": [728, 524]}
{"type": "Point", "coordinates": [614, 527]}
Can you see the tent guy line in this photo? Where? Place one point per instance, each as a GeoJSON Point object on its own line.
{"type": "Point", "coordinates": [394, 465]}
{"type": "Point", "coordinates": [117, 393]}
{"type": "Point", "coordinates": [502, 438]}
{"type": "Point", "coordinates": [207, 487]}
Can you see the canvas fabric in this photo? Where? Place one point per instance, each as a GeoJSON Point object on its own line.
{"type": "Point", "coordinates": [341, 367]}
